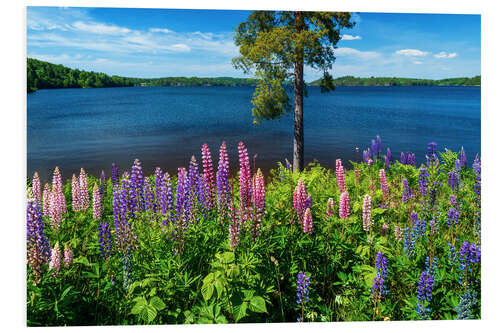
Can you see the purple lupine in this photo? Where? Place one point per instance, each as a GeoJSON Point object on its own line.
{"type": "Point", "coordinates": [458, 168]}
{"type": "Point", "coordinates": [194, 192]}
{"type": "Point", "coordinates": [406, 191]}
{"type": "Point", "coordinates": [166, 199]}
{"type": "Point", "coordinates": [339, 172]}
{"type": "Point", "coordinates": [308, 202]}
{"type": "Point", "coordinates": [55, 259]}
{"type": "Point", "coordinates": [75, 194]}
{"type": "Point", "coordinates": [424, 294]}
{"type": "Point", "coordinates": [383, 184]}
{"type": "Point", "coordinates": [149, 197]}
{"type": "Point", "coordinates": [366, 155]}
{"type": "Point", "coordinates": [308, 222]}
{"type": "Point", "coordinates": [37, 243]}
{"type": "Point", "coordinates": [102, 188]}
{"type": "Point", "coordinates": [378, 288]}
{"type": "Point", "coordinates": [302, 288]}
{"type": "Point", "coordinates": [379, 146]}
{"type": "Point", "coordinates": [299, 198]}
{"type": "Point", "coordinates": [137, 186]}
{"type": "Point", "coordinates": [208, 175]}
{"type": "Point", "coordinates": [403, 158]}
{"type": "Point", "coordinates": [37, 188]}
{"type": "Point", "coordinates": [463, 159]}
{"type": "Point", "coordinates": [344, 206]}
{"type": "Point", "coordinates": [114, 174]}
{"type": "Point", "coordinates": [470, 253]}
{"type": "Point", "coordinates": [453, 200]}
{"type": "Point", "coordinates": [68, 256]}
{"type": "Point", "coordinates": [84, 199]}
{"type": "Point", "coordinates": [158, 188]}
{"type": "Point", "coordinates": [96, 203]}
{"type": "Point", "coordinates": [452, 180]}
{"type": "Point", "coordinates": [367, 213]}
{"type": "Point", "coordinates": [223, 195]}
{"type": "Point", "coordinates": [452, 217]}
{"type": "Point", "coordinates": [105, 239]}
{"type": "Point", "coordinates": [388, 159]}
{"type": "Point", "coordinates": [124, 235]}
{"type": "Point", "coordinates": [181, 195]}
{"type": "Point", "coordinates": [245, 179]}
{"type": "Point", "coordinates": [476, 166]}
{"type": "Point", "coordinates": [374, 149]}
{"type": "Point", "coordinates": [423, 181]}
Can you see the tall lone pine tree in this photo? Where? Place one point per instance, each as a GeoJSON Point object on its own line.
{"type": "Point", "coordinates": [276, 45]}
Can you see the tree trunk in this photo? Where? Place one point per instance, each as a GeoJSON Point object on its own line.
{"type": "Point", "coordinates": [298, 89]}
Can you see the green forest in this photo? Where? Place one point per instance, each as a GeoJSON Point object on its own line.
{"type": "Point", "coordinates": [45, 75]}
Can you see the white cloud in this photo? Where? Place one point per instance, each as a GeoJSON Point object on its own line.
{"type": "Point", "coordinates": [100, 28]}
{"type": "Point", "coordinates": [347, 51]}
{"type": "Point", "coordinates": [350, 37]}
{"type": "Point", "coordinates": [412, 53]}
{"type": "Point", "coordinates": [443, 54]}
{"type": "Point", "coordinates": [162, 30]}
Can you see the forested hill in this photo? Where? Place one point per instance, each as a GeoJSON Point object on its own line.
{"type": "Point", "coordinates": [394, 81]}
{"type": "Point", "coordinates": [44, 75]}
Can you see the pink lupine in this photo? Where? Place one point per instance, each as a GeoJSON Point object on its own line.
{"type": "Point", "coordinates": [367, 213]}
{"type": "Point", "coordinates": [68, 256]}
{"type": "Point", "coordinates": [75, 194]}
{"type": "Point", "coordinates": [299, 200]}
{"type": "Point", "coordinates": [96, 203]}
{"type": "Point", "coordinates": [339, 171]}
{"type": "Point", "coordinates": [208, 175]}
{"type": "Point", "coordinates": [397, 233]}
{"type": "Point", "coordinates": [245, 179]}
{"type": "Point", "coordinates": [55, 210]}
{"type": "Point", "coordinates": [55, 259]}
{"type": "Point", "coordinates": [344, 209]}
{"type": "Point", "coordinates": [84, 190]}
{"type": "Point", "coordinates": [37, 188]}
{"type": "Point", "coordinates": [46, 199]}
{"type": "Point", "coordinates": [329, 208]}
{"type": "Point", "coordinates": [370, 161]}
{"type": "Point", "coordinates": [383, 184]}
{"type": "Point", "coordinates": [259, 191]}
{"type": "Point", "coordinates": [223, 195]}
{"type": "Point", "coordinates": [308, 222]}
{"type": "Point", "coordinates": [57, 186]}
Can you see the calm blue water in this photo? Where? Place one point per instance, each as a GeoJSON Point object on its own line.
{"type": "Point", "coordinates": [164, 126]}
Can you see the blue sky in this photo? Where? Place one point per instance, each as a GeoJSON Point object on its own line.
{"type": "Point", "coordinates": [167, 42]}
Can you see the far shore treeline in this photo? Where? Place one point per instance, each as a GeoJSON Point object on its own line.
{"type": "Point", "coordinates": [45, 75]}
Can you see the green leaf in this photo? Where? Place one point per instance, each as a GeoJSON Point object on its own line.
{"type": "Point", "coordinates": [257, 304]}
{"type": "Point", "coordinates": [207, 291]}
{"type": "Point", "coordinates": [140, 303]}
{"type": "Point", "coordinates": [378, 211]}
{"type": "Point", "coordinates": [240, 311]}
{"type": "Point", "coordinates": [81, 260]}
{"type": "Point", "coordinates": [219, 287]}
{"type": "Point", "coordinates": [227, 257]}
{"type": "Point", "coordinates": [209, 278]}
{"type": "Point", "coordinates": [157, 303]}
{"type": "Point", "coordinates": [148, 313]}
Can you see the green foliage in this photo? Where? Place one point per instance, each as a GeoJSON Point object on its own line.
{"type": "Point", "coordinates": [400, 81]}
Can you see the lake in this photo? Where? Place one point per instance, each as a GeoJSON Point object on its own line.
{"type": "Point", "coordinates": [164, 126]}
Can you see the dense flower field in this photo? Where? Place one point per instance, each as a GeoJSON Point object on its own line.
{"type": "Point", "coordinates": [387, 240]}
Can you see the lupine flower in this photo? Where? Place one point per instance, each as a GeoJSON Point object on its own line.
{"type": "Point", "coordinates": [68, 256]}
{"type": "Point", "coordinates": [463, 159]}
{"type": "Point", "coordinates": [423, 181]}
{"type": "Point", "coordinates": [379, 146]}
{"type": "Point", "coordinates": [452, 217]}
{"type": "Point", "coordinates": [37, 188]}
{"type": "Point", "coordinates": [83, 199]}
{"type": "Point", "coordinates": [166, 199]}
{"type": "Point", "coordinates": [55, 209]}
{"type": "Point", "coordinates": [114, 174]}
{"type": "Point", "coordinates": [59, 200]}
{"type": "Point", "coordinates": [383, 184]}
{"type": "Point", "coordinates": [378, 288]}
{"type": "Point", "coordinates": [158, 188]}
{"type": "Point", "coordinates": [397, 233]}
{"type": "Point", "coordinates": [124, 235]}
{"type": "Point", "coordinates": [476, 166]}
{"type": "Point", "coordinates": [102, 188]}
{"type": "Point", "coordinates": [366, 155]}
{"type": "Point", "coordinates": [127, 270]}
{"type": "Point", "coordinates": [406, 191]}
{"type": "Point", "coordinates": [234, 227]}
{"type": "Point", "coordinates": [424, 294]}
{"type": "Point", "coordinates": [452, 255]}
{"type": "Point", "coordinates": [96, 203]}
{"type": "Point", "coordinates": [458, 168]}
{"type": "Point", "coordinates": [181, 195]}
{"type": "Point", "coordinates": [245, 179]}
{"type": "Point", "coordinates": [385, 228]}
{"type": "Point", "coordinates": [208, 175]}
{"type": "Point", "coordinates": [357, 175]}
{"type": "Point", "coordinates": [37, 243]}
{"type": "Point", "coordinates": [149, 197]}
{"type": "Point", "coordinates": [137, 183]}
{"type": "Point", "coordinates": [194, 195]}
{"type": "Point", "coordinates": [370, 162]}
{"type": "Point", "coordinates": [223, 197]}
{"type": "Point", "coordinates": [409, 237]}
{"type": "Point", "coordinates": [388, 159]}
{"type": "Point", "coordinates": [344, 207]}
{"type": "Point", "coordinates": [431, 269]}
{"type": "Point", "coordinates": [469, 254]}
{"type": "Point", "coordinates": [302, 288]}
{"type": "Point", "coordinates": [466, 305]}
{"type": "Point", "coordinates": [452, 180]}
{"type": "Point", "coordinates": [403, 158]}
{"type": "Point", "coordinates": [308, 222]}
{"type": "Point", "coordinates": [259, 191]}
{"type": "Point", "coordinates": [299, 199]}
{"type": "Point", "coordinates": [453, 200]}
{"type": "Point", "coordinates": [329, 208]}
{"type": "Point", "coordinates": [75, 194]}
{"type": "Point", "coordinates": [46, 199]}
{"type": "Point", "coordinates": [105, 239]}
{"type": "Point", "coordinates": [367, 213]}
{"type": "Point", "coordinates": [339, 171]}
{"type": "Point", "coordinates": [374, 149]}
{"type": "Point", "coordinates": [55, 259]}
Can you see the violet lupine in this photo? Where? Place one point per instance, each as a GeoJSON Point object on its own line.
{"type": "Point", "coordinates": [308, 202]}
{"type": "Point", "coordinates": [424, 294]}
{"type": "Point", "coordinates": [366, 155]}
{"type": "Point", "coordinates": [374, 149]}
{"type": "Point", "coordinates": [137, 186]}
{"type": "Point", "coordinates": [299, 199]}
{"type": "Point", "coordinates": [308, 222]}
{"type": "Point", "coordinates": [463, 159]}
{"type": "Point", "coordinates": [181, 195]}
{"type": "Point", "coordinates": [403, 158]}
{"type": "Point", "coordinates": [158, 188]}
{"type": "Point", "coordinates": [302, 293]}
{"type": "Point", "coordinates": [124, 235]}
{"type": "Point", "coordinates": [423, 181]}
{"type": "Point", "coordinates": [329, 208]}
{"type": "Point", "coordinates": [223, 195]}
{"type": "Point", "coordinates": [55, 260]}
{"type": "Point", "coordinates": [378, 288]}
{"type": "Point", "coordinates": [166, 199]}
{"type": "Point", "coordinates": [37, 243]}
{"type": "Point", "coordinates": [46, 199]}
{"type": "Point", "coordinates": [431, 152]}
{"type": "Point", "coordinates": [476, 166]}
{"type": "Point", "coordinates": [367, 213]}
{"type": "Point", "coordinates": [383, 184]}
{"type": "Point", "coordinates": [245, 179]}
{"type": "Point", "coordinates": [102, 188]}
{"type": "Point", "coordinates": [458, 168]}
{"type": "Point", "coordinates": [84, 199]}
{"type": "Point", "coordinates": [344, 206]}
{"type": "Point", "coordinates": [339, 172]}
{"type": "Point", "coordinates": [37, 188]}
{"type": "Point", "coordinates": [194, 192]}
{"type": "Point", "coordinates": [114, 174]}
{"type": "Point", "coordinates": [406, 191]}
{"type": "Point", "coordinates": [75, 194]}
{"type": "Point", "coordinates": [68, 256]}
{"type": "Point", "coordinates": [388, 159]}
{"type": "Point", "coordinates": [96, 203]}
{"type": "Point", "coordinates": [452, 217]}
{"type": "Point", "coordinates": [379, 146]}
{"type": "Point", "coordinates": [453, 180]}
{"type": "Point", "coordinates": [208, 175]}
{"type": "Point", "coordinates": [470, 253]}
{"type": "Point", "coordinates": [149, 197]}
{"type": "Point", "coordinates": [105, 239]}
